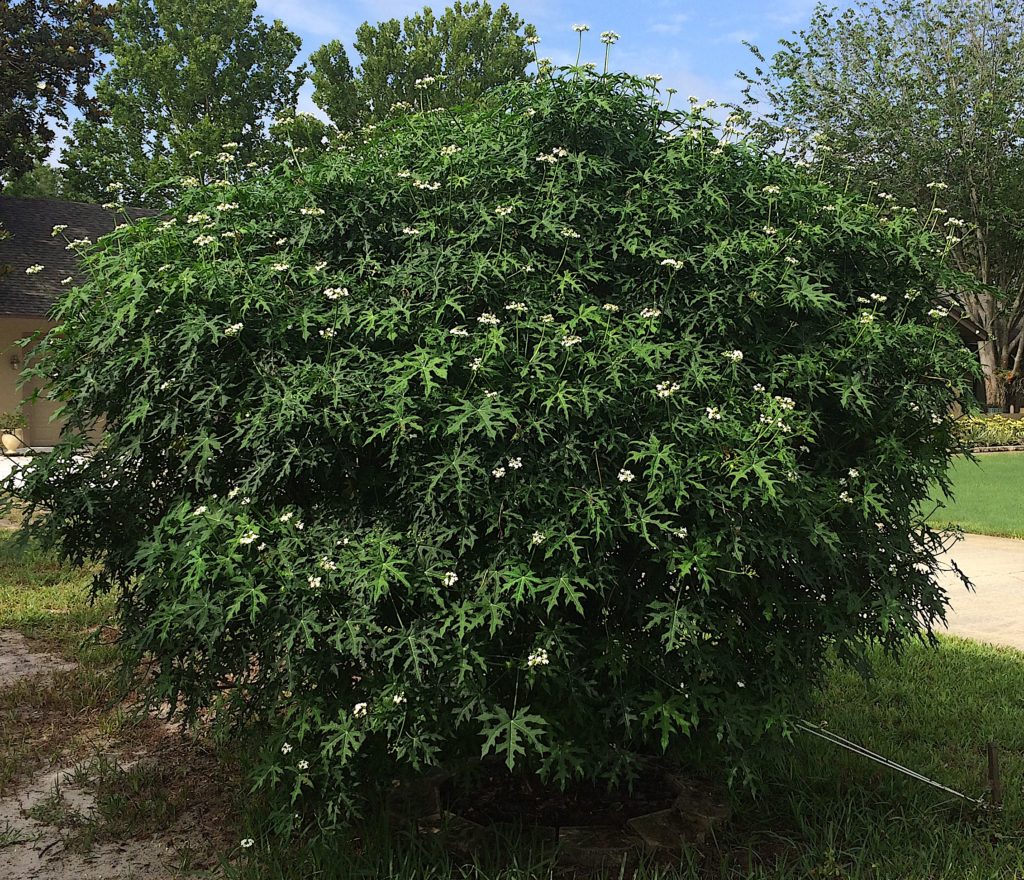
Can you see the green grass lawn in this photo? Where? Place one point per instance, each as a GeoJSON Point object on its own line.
{"type": "Point", "coordinates": [988, 495]}
{"type": "Point", "coordinates": [820, 812]}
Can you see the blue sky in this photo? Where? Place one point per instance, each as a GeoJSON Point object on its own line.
{"type": "Point", "coordinates": [696, 46]}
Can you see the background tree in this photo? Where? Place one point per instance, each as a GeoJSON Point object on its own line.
{"type": "Point", "coordinates": [188, 77]}
{"type": "Point", "coordinates": [42, 181]}
{"type": "Point", "coordinates": [923, 101]}
{"type": "Point", "coordinates": [470, 48]}
{"type": "Point", "coordinates": [48, 55]}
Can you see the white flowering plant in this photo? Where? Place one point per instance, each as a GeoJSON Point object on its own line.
{"type": "Point", "coordinates": [399, 477]}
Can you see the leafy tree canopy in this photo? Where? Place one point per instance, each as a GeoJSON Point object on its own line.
{"type": "Point", "coordinates": [188, 77]}
{"type": "Point", "coordinates": [470, 48]}
{"type": "Point", "coordinates": [923, 101]}
{"type": "Point", "coordinates": [48, 56]}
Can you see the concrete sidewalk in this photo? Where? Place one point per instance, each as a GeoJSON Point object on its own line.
{"type": "Point", "coordinates": [994, 612]}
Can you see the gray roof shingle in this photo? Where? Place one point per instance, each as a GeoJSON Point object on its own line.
{"type": "Point", "coordinates": [30, 223]}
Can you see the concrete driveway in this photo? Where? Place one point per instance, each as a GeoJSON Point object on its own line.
{"type": "Point", "coordinates": [994, 612]}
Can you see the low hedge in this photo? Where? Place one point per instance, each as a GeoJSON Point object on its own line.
{"type": "Point", "coordinates": [990, 431]}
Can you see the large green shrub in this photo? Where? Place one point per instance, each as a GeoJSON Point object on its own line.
{"type": "Point", "coordinates": [555, 428]}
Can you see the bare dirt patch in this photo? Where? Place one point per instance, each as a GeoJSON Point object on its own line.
{"type": "Point", "coordinates": [124, 796]}
{"type": "Point", "coordinates": [18, 661]}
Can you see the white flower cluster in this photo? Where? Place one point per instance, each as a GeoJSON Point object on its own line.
{"type": "Point", "coordinates": [552, 157]}
{"type": "Point", "coordinates": [489, 318]}
{"type": "Point", "coordinates": [203, 240]}
{"type": "Point", "coordinates": [667, 389]}
{"type": "Point", "coordinates": [327, 333]}
{"type": "Point", "coordinates": [518, 307]}
{"type": "Point", "coordinates": [233, 329]}
{"type": "Point", "coordinates": [611, 307]}
{"type": "Point", "coordinates": [538, 657]}
{"type": "Point", "coordinates": [335, 293]}
{"type": "Point", "coordinates": [503, 210]}
{"type": "Point", "coordinates": [312, 212]}
{"type": "Point", "coordinates": [423, 184]}
{"type": "Point", "coordinates": [672, 264]}
{"type": "Point", "coordinates": [410, 230]}
{"type": "Point", "coordinates": [458, 331]}
{"type": "Point", "coordinates": [609, 38]}
{"type": "Point", "coordinates": [280, 267]}
{"type": "Point", "coordinates": [450, 579]}
{"type": "Point", "coordinates": [581, 28]}
{"type": "Point", "coordinates": [735, 355]}
{"type": "Point", "coordinates": [450, 150]}
{"type": "Point", "coordinates": [58, 229]}
{"type": "Point", "coordinates": [34, 269]}
{"type": "Point", "coordinates": [425, 81]}
{"type": "Point", "coordinates": [713, 413]}
{"type": "Point", "coordinates": [538, 538]}
{"type": "Point", "coordinates": [650, 312]}
{"type": "Point", "coordinates": [626, 476]}
{"type": "Point", "coordinates": [567, 232]}
{"type": "Point", "coordinates": [570, 341]}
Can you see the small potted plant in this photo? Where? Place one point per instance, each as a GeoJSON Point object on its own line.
{"type": "Point", "coordinates": [12, 430]}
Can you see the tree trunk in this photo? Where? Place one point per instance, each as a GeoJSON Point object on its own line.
{"type": "Point", "coordinates": [993, 370]}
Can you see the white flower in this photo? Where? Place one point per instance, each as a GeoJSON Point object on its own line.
{"type": "Point", "coordinates": [314, 581]}
{"type": "Point", "coordinates": [67, 280]}
{"type": "Point", "coordinates": [518, 307]}
{"type": "Point", "coordinates": [503, 210]}
{"type": "Point", "coordinates": [498, 472]}
{"type": "Point", "coordinates": [713, 413]}
{"type": "Point", "coordinates": [547, 319]}
{"type": "Point", "coordinates": [610, 307]}
{"type": "Point", "coordinates": [879, 297]}
{"type": "Point", "coordinates": [650, 312]}
{"type": "Point", "coordinates": [489, 318]}
{"type": "Point", "coordinates": [735, 355]}
{"type": "Point", "coordinates": [515, 463]}
{"type": "Point", "coordinates": [58, 229]}
{"type": "Point", "coordinates": [410, 230]}
{"type": "Point", "coordinates": [581, 28]}
{"type": "Point", "coordinates": [570, 233]}
{"type": "Point", "coordinates": [532, 41]}
{"type": "Point", "coordinates": [247, 842]}
{"type": "Point", "coordinates": [793, 261]}
{"type": "Point", "coordinates": [786, 403]}
{"type": "Point", "coordinates": [759, 387]}
{"type": "Point", "coordinates": [672, 264]}
{"type": "Point", "coordinates": [854, 473]}
{"type": "Point", "coordinates": [360, 710]}
{"type": "Point", "coordinates": [476, 364]}
{"type": "Point", "coordinates": [681, 533]}
{"type": "Point", "coordinates": [286, 748]}
{"type": "Point", "coordinates": [76, 243]}
{"type": "Point", "coordinates": [424, 81]}
{"type": "Point", "coordinates": [199, 511]}
{"type": "Point", "coordinates": [234, 329]}
{"type": "Point", "coordinates": [199, 218]}
{"type": "Point", "coordinates": [771, 189]}
{"type": "Point", "coordinates": [937, 185]}
{"type": "Point", "coordinates": [845, 497]}
{"type": "Point", "coordinates": [769, 230]}
{"type": "Point", "coordinates": [666, 389]}
{"type": "Point", "coordinates": [230, 145]}
{"type": "Point", "coordinates": [866, 318]}
{"type": "Point", "coordinates": [312, 212]}
{"type": "Point", "coordinates": [938, 313]}
{"type": "Point", "coordinates": [422, 184]}
{"type": "Point", "coordinates": [458, 331]}
{"type": "Point", "coordinates": [626, 476]}
{"type": "Point", "coordinates": [280, 267]}
{"type": "Point", "coordinates": [231, 233]}
{"type": "Point", "coordinates": [284, 517]}
{"type": "Point", "coordinates": [227, 206]}
{"type": "Point", "coordinates": [654, 77]}
{"type": "Point", "coordinates": [570, 341]}
{"type": "Point", "coordinates": [34, 269]}
{"type": "Point", "coordinates": [490, 394]}
{"type": "Point", "coordinates": [398, 699]}
{"type": "Point", "coordinates": [41, 85]}
{"type": "Point", "coordinates": [303, 764]}
{"type": "Point", "coordinates": [327, 333]}
{"type": "Point", "coordinates": [450, 150]}
{"type": "Point", "coordinates": [333, 293]}
{"type": "Point", "coordinates": [281, 242]}
{"type": "Point", "coordinates": [202, 240]}
{"type": "Point", "coordinates": [609, 37]}
{"type": "Point", "coordinates": [248, 537]}
{"type": "Point", "coordinates": [538, 657]}
{"type": "Point", "coordinates": [538, 538]}
{"type": "Point", "coordinates": [450, 579]}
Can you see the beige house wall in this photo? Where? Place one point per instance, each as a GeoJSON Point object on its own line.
{"type": "Point", "coordinates": [41, 431]}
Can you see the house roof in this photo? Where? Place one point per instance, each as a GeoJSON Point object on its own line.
{"type": "Point", "coordinates": [30, 223]}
